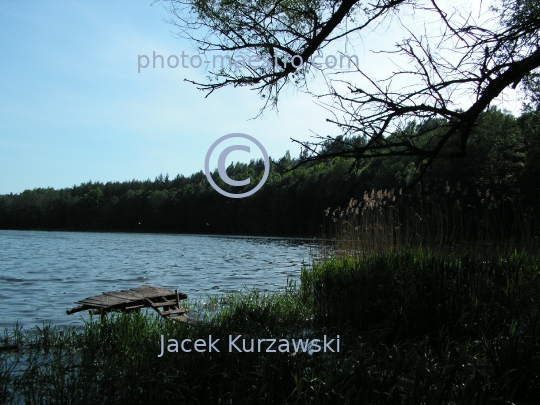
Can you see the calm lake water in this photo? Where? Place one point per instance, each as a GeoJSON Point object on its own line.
{"type": "Point", "coordinates": [42, 274]}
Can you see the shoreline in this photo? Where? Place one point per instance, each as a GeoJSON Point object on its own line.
{"type": "Point", "coordinates": [385, 307]}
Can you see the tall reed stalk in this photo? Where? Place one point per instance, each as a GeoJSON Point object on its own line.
{"type": "Point", "coordinates": [384, 220]}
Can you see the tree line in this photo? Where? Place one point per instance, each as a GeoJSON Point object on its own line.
{"type": "Point", "coordinates": [503, 156]}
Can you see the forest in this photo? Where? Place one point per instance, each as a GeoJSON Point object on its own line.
{"type": "Point", "coordinates": [503, 159]}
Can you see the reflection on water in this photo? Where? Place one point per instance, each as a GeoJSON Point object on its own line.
{"type": "Point", "coordinates": [43, 273]}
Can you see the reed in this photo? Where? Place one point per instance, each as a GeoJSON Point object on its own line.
{"type": "Point", "coordinates": [454, 222]}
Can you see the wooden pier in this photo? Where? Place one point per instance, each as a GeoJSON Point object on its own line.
{"type": "Point", "coordinates": [164, 302]}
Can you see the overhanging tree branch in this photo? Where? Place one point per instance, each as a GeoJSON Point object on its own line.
{"type": "Point", "coordinates": [463, 58]}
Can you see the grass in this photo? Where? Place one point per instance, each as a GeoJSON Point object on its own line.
{"type": "Point", "coordinates": [417, 328]}
{"type": "Point", "coordinates": [476, 316]}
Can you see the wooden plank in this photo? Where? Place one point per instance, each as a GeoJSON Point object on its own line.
{"type": "Point", "coordinates": [134, 307]}
{"type": "Point", "coordinates": [149, 302]}
{"type": "Point", "coordinates": [148, 289]}
{"type": "Point", "coordinates": [114, 298]}
{"type": "Point", "coordinates": [103, 298]}
{"type": "Point", "coordinates": [102, 301]}
{"type": "Point", "coordinates": [155, 292]}
{"type": "Point", "coordinates": [94, 303]}
{"type": "Point", "coordinates": [144, 290]}
{"type": "Point", "coordinates": [163, 304]}
{"type": "Point", "coordinates": [89, 301]}
{"type": "Point", "coordinates": [173, 311]}
{"type": "Point", "coordinates": [76, 309]}
{"type": "Point", "coordinates": [121, 296]}
{"type": "Point", "coordinates": [125, 296]}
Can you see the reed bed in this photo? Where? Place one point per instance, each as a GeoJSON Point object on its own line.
{"type": "Point", "coordinates": [453, 222]}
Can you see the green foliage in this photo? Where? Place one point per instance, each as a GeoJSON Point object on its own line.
{"type": "Point", "coordinates": [496, 156]}
{"type": "Point", "coordinates": [529, 123]}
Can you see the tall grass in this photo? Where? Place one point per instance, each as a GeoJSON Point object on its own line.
{"type": "Point", "coordinates": [478, 318]}
{"type": "Point", "coordinates": [422, 291]}
{"type": "Point", "coordinates": [454, 222]}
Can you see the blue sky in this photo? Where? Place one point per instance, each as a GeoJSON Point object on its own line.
{"type": "Point", "coordinates": [73, 107]}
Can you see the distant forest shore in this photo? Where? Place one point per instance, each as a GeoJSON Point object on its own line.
{"type": "Point", "coordinates": [503, 157]}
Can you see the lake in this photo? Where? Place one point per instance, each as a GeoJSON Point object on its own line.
{"type": "Point", "coordinates": [42, 274]}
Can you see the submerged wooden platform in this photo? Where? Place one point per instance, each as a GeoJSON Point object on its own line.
{"type": "Point", "coordinates": [164, 302]}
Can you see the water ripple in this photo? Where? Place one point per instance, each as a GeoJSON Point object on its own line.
{"type": "Point", "coordinates": [43, 273]}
